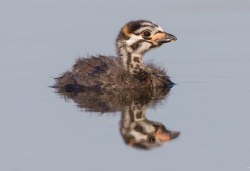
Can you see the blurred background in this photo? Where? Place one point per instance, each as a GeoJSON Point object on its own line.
{"type": "Point", "coordinates": [209, 62]}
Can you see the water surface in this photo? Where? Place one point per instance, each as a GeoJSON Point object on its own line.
{"type": "Point", "coordinates": [210, 63]}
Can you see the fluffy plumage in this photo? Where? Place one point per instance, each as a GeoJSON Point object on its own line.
{"type": "Point", "coordinates": [127, 70]}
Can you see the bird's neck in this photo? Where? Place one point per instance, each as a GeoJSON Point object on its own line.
{"type": "Point", "coordinates": [132, 60]}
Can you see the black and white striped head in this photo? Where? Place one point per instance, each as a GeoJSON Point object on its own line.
{"type": "Point", "coordinates": [142, 35]}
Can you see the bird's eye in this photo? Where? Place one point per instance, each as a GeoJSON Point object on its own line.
{"type": "Point", "coordinates": [146, 34]}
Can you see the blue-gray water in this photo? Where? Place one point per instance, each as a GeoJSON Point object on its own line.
{"type": "Point", "coordinates": [210, 62]}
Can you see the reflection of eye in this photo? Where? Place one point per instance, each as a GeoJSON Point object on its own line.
{"type": "Point", "coordinates": [151, 139]}
{"type": "Point", "coordinates": [146, 34]}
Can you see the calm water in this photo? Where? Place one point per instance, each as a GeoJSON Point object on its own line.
{"type": "Point", "coordinates": [41, 130]}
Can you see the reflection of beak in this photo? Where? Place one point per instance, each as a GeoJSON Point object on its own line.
{"type": "Point", "coordinates": [166, 136]}
{"type": "Point", "coordinates": [160, 38]}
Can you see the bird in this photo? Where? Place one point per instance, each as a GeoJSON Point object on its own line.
{"type": "Point", "coordinates": [127, 69]}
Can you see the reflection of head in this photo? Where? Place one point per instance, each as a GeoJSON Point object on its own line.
{"type": "Point", "coordinates": [135, 128]}
{"type": "Point", "coordinates": [139, 132]}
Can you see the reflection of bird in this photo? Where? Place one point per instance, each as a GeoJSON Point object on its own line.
{"type": "Point", "coordinates": [139, 132]}
{"type": "Point", "coordinates": [136, 130]}
{"type": "Point", "coordinates": [127, 70]}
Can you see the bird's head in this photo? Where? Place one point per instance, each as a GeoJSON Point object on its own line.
{"type": "Point", "coordinates": [141, 36]}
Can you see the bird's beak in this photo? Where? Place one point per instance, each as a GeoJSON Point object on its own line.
{"type": "Point", "coordinates": [166, 136]}
{"type": "Point", "coordinates": [160, 38]}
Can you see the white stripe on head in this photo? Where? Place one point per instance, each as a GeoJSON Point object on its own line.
{"type": "Point", "coordinates": [148, 24]}
{"type": "Point", "coordinates": [133, 38]}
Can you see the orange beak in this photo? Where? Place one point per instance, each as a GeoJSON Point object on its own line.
{"type": "Point", "coordinates": [160, 38]}
{"type": "Point", "coordinates": [166, 136]}
{"type": "Point", "coordinates": [162, 136]}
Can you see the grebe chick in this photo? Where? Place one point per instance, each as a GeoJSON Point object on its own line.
{"type": "Point", "coordinates": [127, 70]}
